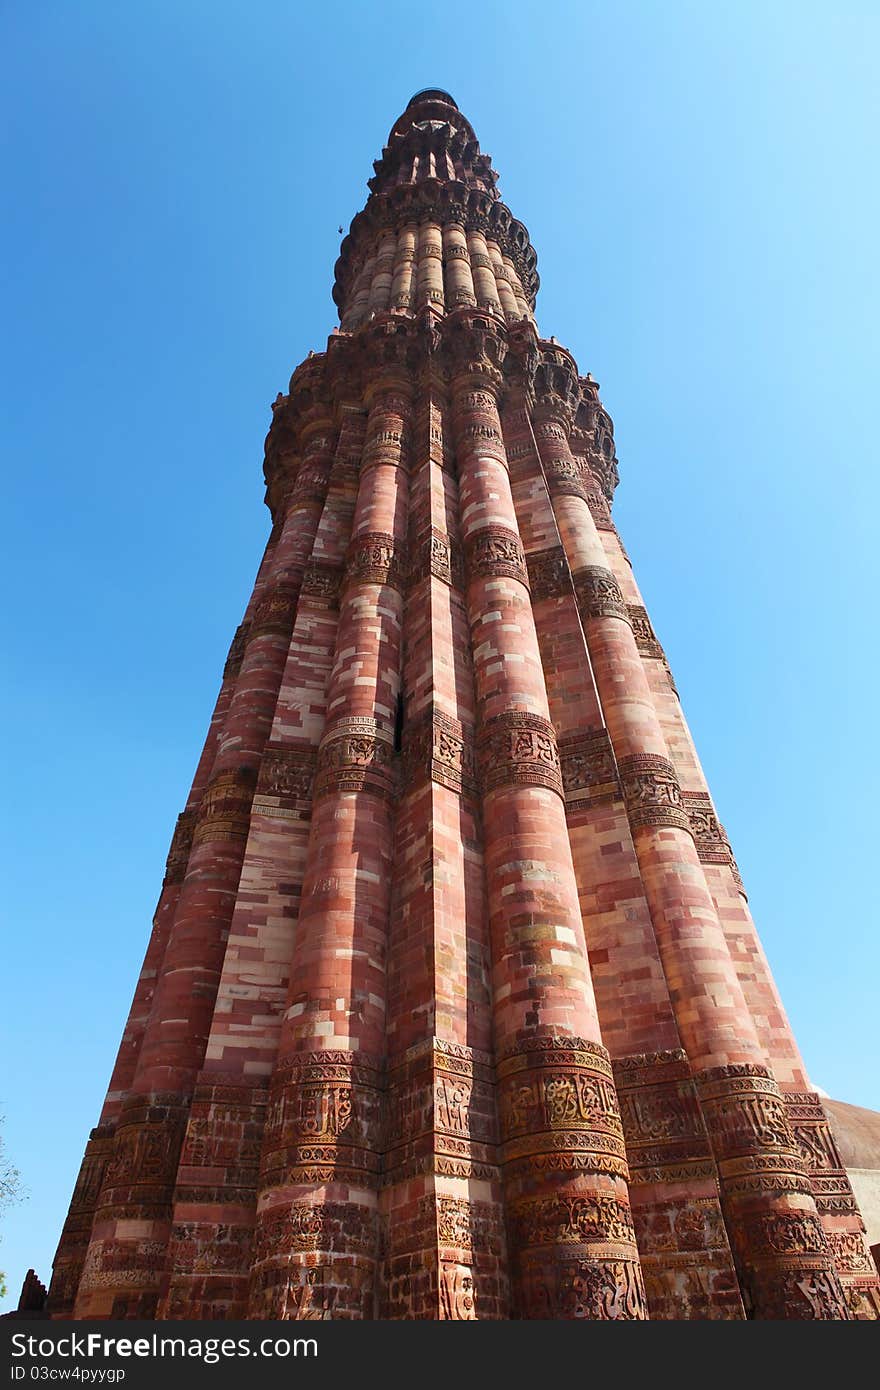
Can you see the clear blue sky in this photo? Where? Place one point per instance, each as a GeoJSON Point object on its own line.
{"type": "Point", "coordinates": [700, 182]}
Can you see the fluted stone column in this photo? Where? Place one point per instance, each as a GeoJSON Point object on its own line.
{"type": "Point", "coordinates": [383, 273]}
{"type": "Point", "coordinates": [429, 273]}
{"type": "Point", "coordinates": [358, 308]}
{"type": "Point", "coordinates": [506, 296]}
{"type": "Point", "coordinates": [485, 286]}
{"type": "Point", "coordinates": [441, 1203]}
{"type": "Point", "coordinates": [519, 293]}
{"type": "Point", "coordinates": [317, 1239]}
{"type": "Point", "coordinates": [683, 1249]}
{"type": "Point", "coordinates": [403, 284]}
{"type": "Point", "coordinates": [122, 1276]}
{"type": "Point", "coordinates": [783, 1260]}
{"type": "Point", "coordinates": [209, 1260]}
{"type": "Point", "coordinates": [459, 280]}
{"type": "Point", "coordinates": [573, 1249]}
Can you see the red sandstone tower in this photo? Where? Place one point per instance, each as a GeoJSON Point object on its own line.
{"type": "Point", "coordinates": [453, 1006]}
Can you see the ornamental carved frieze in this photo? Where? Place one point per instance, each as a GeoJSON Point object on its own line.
{"type": "Point", "coordinates": [598, 594]}
{"type": "Point", "coordinates": [646, 640]}
{"type": "Point", "coordinates": [376, 558]}
{"type": "Point", "coordinates": [597, 1290]}
{"type": "Point", "coordinates": [496, 552]}
{"type": "Point", "coordinates": [457, 1293]}
{"type": "Point", "coordinates": [850, 1253]}
{"type": "Point", "coordinates": [589, 770]}
{"type": "Point", "coordinates": [680, 1224]}
{"type": "Point", "coordinates": [144, 1152]}
{"type": "Point", "coordinates": [558, 1109]}
{"type": "Point", "coordinates": [549, 574]}
{"type": "Point", "coordinates": [518, 749]}
{"type": "Point", "coordinates": [236, 652]}
{"type": "Point", "coordinates": [276, 610]}
{"type": "Point", "coordinates": [599, 509]}
{"type": "Point", "coordinates": [441, 1115]}
{"type": "Point", "coordinates": [550, 431]}
{"type": "Point", "coordinates": [786, 1233]}
{"type": "Point", "coordinates": [181, 844]}
{"type": "Point", "coordinates": [806, 1294]}
{"type": "Point", "coordinates": [481, 437]}
{"type": "Point", "coordinates": [666, 1140]}
{"type": "Point", "coordinates": [225, 808]}
{"type": "Point", "coordinates": [571, 1219]}
{"type": "Point", "coordinates": [744, 1112]}
{"type": "Point", "coordinates": [812, 1133]}
{"type": "Point", "coordinates": [90, 1178]}
{"type": "Point", "coordinates": [657, 1115]}
{"type": "Point", "coordinates": [324, 1120]}
{"type": "Point", "coordinates": [286, 773]}
{"type": "Point", "coordinates": [517, 452]}
{"type": "Point", "coordinates": [565, 478]}
{"type": "Point", "coordinates": [651, 792]}
{"type": "Point", "coordinates": [465, 1226]}
{"type": "Point", "coordinates": [304, 1292]}
{"type": "Point", "coordinates": [387, 448]}
{"type": "Point", "coordinates": [322, 581]}
{"type": "Point", "coordinates": [477, 401]}
{"type": "Point", "coordinates": [136, 1262]}
{"type": "Point", "coordinates": [313, 479]}
{"type": "Point", "coordinates": [441, 748]}
{"type": "Point", "coordinates": [439, 555]}
{"type": "Point", "coordinates": [301, 1227]}
{"type": "Point", "coordinates": [356, 754]}
{"type": "Point", "coordinates": [710, 837]}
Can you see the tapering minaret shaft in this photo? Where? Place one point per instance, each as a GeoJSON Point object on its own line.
{"type": "Point", "coordinates": [209, 1270]}
{"type": "Point", "coordinates": [673, 1181]}
{"type": "Point", "coordinates": [554, 1075]}
{"type": "Point", "coordinates": [441, 1200]}
{"type": "Point", "coordinates": [322, 1146]}
{"type": "Point", "coordinates": [122, 1274]}
{"type": "Point", "coordinates": [453, 1007]}
{"type": "Point", "coordinates": [741, 1105]}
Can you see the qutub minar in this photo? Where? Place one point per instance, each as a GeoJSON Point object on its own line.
{"type": "Point", "coordinates": [453, 1006]}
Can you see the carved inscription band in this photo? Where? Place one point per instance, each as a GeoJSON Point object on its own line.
{"type": "Point", "coordinates": [285, 783]}
{"type": "Point", "coordinates": [181, 844]}
{"type": "Point", "coordinates": [598, 594]}
{"type": "Point", "coordinates": [549, 574]}
{"type": "Point", "coordinates": [787, 1270]}
{"type": "Point", "coordinates": [225, 808]}
{"type": "Point", "coordinates": [376, 558]}
{"type": "Point", "coordinates": [518, 748]}
{"type": "Point", "coordinates": [355, 755]}
{"type": "Point", "coordinates": [589, 771]}
{"type": "Point", "coordinates": [442, 749]}
{"type": "Point", "coordinates": [324, 1120]}
{"type": "Point", "coordinates": [496, 551]}
{"type": "Point", "coordinates": [550, 1087]}
{"type": "Point", "coordinates": [321, 584]}
{"type": "Point", "coordinates": [651, 792]}
{"type": "Point", "coordinates": [276, 610]}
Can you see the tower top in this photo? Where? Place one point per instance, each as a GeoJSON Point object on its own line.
{"type": "Point", "coordinates": [431, 173]}
{"type": "Point", "coordinates": [431, 94]}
